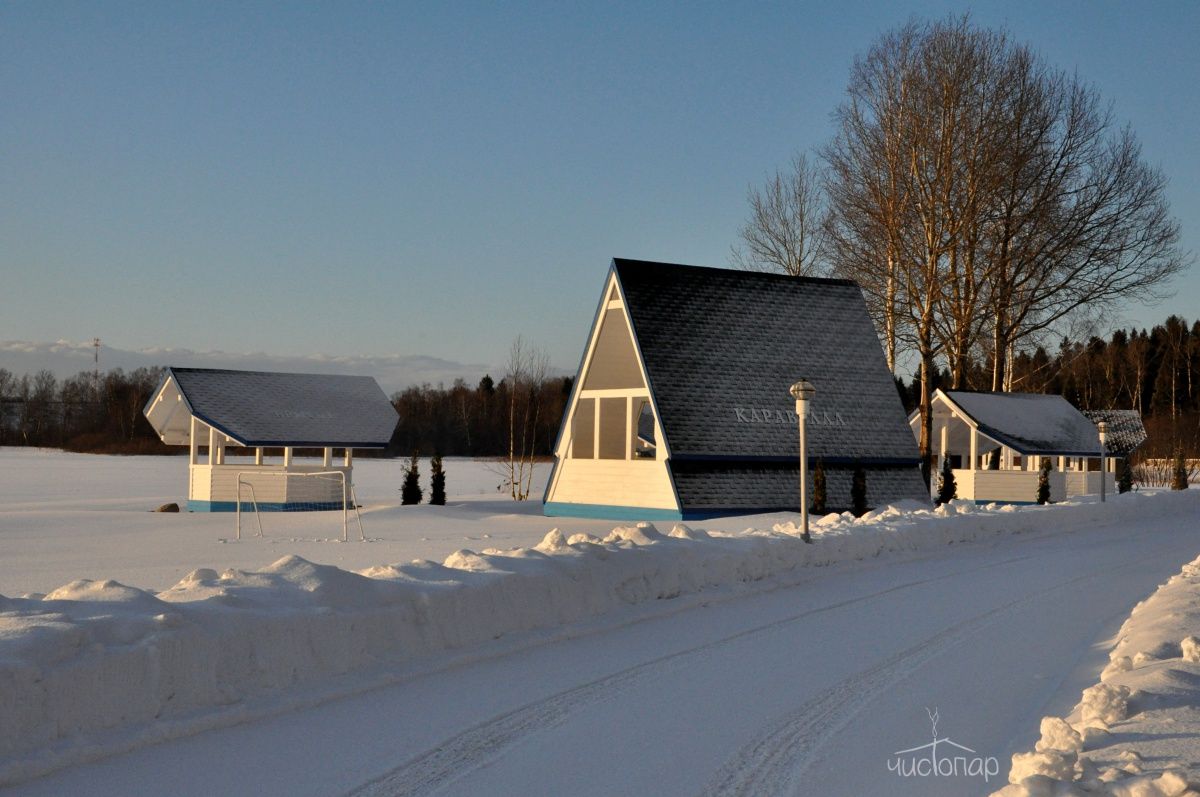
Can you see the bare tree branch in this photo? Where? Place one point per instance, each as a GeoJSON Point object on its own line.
{"type": "Point", "coordinates": [784, 232]}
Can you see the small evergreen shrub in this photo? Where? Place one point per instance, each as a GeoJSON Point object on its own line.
{"type": "Point", "coordinates": [410, 491]}
{"type": "Point", "coordinates": [1125, 480]}
{"type": "Point", "coordinates": [948, 490]}
{"type": "Point", "coordinates": [1179, 472]}
{"type": "Point", "coordinates": [819, 489]}
{"type": "Point", "coordinates": [858, 492]}
{"type": "Point", "coordinates": [437, 481]}
{"type": "Point", "coordinates": [1043, 485]}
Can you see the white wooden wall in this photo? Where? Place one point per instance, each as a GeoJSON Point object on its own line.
{"type": "Point", "coordinates": [614, 482]}
{"type": "Point", "coordinates": [1088, 483]}
{"type": "Point", "coordinates": [219, 483]}
{"type": "Point", "coordinates": [983, 486]}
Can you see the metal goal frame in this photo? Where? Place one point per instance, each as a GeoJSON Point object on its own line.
{"type": "Point", "coordinates": [348, 498]}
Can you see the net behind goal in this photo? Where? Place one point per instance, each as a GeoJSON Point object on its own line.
{"type": "Point", "coordinates": [271, 491]}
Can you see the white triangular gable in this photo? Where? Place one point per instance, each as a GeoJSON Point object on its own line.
{"type": "Point", "coordinates": [169, 414]}
{"type": "Point", "coordinates": [601, 462]}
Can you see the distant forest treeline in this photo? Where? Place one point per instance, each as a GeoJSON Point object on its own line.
{"type": "Point", "coordinates": [102, 413]}
{"type": "Point", "coordinates": [1156, 372]}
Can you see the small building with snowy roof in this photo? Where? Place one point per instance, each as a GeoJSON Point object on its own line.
{"type": "Point", "coordinates": [996, 442]}
{"type": "Point", "coordinates": [680, 408]}
{"type": "Point", "coordinates": [218, 409]}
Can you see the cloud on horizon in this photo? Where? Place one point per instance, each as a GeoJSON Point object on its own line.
{"type": "Point", "coordinates": [393, 371]}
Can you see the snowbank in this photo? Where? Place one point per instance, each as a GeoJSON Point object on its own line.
{"type": "Point", "coordinates": [96, 667]}
{"type": "Point", "coordinates": [1134, 733]}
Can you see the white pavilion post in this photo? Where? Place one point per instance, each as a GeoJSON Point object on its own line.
{"type": "Point", "coordinates": [942, 459]}
{"type": "Point", "coordinates": [630, 428]}
{"type": "Point", "coordinates": [212, 446]}
{"type": "Point", "coordinates": [974, 448]}
{"type": "Point", "coordinates": [258, 456]}
{"type": "Point", "coordinates": [287, 457]}
{"type": "Point", "coordinates": [327, 460]}
{"type": "Point", "coordinates": [1103, 469]}
{"type": "Point", "coordinates": [349, 458]}
{"type": "Point", "coordinates": [194, 442]}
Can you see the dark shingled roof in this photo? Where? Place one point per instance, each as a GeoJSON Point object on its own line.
{"type": "Point", "coordinates": [261, 408]}
{"type": "Point", "coordinates": [722, 347]}
{"type": "Point", "coordinates": [1125, 430]}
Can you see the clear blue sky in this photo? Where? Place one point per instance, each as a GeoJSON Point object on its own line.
{"type": "Point", "coordinates": [437, 178]}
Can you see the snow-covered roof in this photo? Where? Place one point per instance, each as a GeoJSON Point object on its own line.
{"type": "Point", "coordinates": [1125, 430]}
{"type": "Point", "coordinates": [1029, 423]}
{"type": "Point", "coordinates": [263, 408]}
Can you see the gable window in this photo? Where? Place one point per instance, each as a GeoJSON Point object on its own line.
{"type": "Point", "coordinates": [612, 428]}
{"type": "Point", "coordinates": [643, 442]}
{"type": "Point", "coordinates": [583, 431]}
{"type": "Point", "coordinates": [613, 417]}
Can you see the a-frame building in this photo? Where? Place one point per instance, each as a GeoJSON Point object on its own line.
{"type": "Point", "coordinates": [680, 408]}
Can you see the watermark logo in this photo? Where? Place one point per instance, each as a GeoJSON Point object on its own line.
{"type": "Point", "coordinates": [942, 758]}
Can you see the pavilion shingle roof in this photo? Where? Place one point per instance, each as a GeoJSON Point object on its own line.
{"type": "Point", "coordinates": [261, 408]}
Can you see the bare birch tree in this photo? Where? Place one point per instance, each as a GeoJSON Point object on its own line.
{"type": "Point", "coordinates": [1081, 221]}
{"type": "Point", "coordinates": [526, 372]}
{"type": "Point", "coordinates": [784, 232]}
{"type": "Point", "coordinates": [972, 189]}
{"type": "Point", "coordinates": [899, 156]}
{"type": "Point", "coordinates": [866, 181]}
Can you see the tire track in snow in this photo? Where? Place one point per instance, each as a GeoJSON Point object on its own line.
{"type": "Point", "coordinates": [775, 760]}
{"type": "Point", "coordinates": [483, 743]}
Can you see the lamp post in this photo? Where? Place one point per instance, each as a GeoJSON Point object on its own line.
{"type": "Point", "coordinates": [803, 391]}
{"type": "Point", "coordinates": [1103, 427]}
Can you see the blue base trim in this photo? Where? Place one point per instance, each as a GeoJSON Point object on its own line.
{"type": "Point", "coordinates": [263, 506]}
{"type": "Point", "coordinates": [607, 512]}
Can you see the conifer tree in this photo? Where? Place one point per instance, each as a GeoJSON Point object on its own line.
{"type": "Point", "coordinates": [858, 492]}
{"type": "Point", "coordinates": [1043, 485]}
{"type": "Point", "coordinates": [948, 490]}
{"type": "Point", "coordinates": [437, 481]}
{"type": "Point", "coordinates": [819, 489]}
{"type": "Point", "coordinates": [1179, 472]}
{"type": "Point", "coordinates": [410, 492]}
{"type": "Point", "coordinates": [1125, 481]}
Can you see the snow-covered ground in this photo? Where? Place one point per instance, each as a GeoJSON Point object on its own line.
{"type": "Point", "coordinates": [67, 516]}
{"type": "Point", "coordinates": [683, 661]}
{"type": "Point", "coordinates": [1137, 730]}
